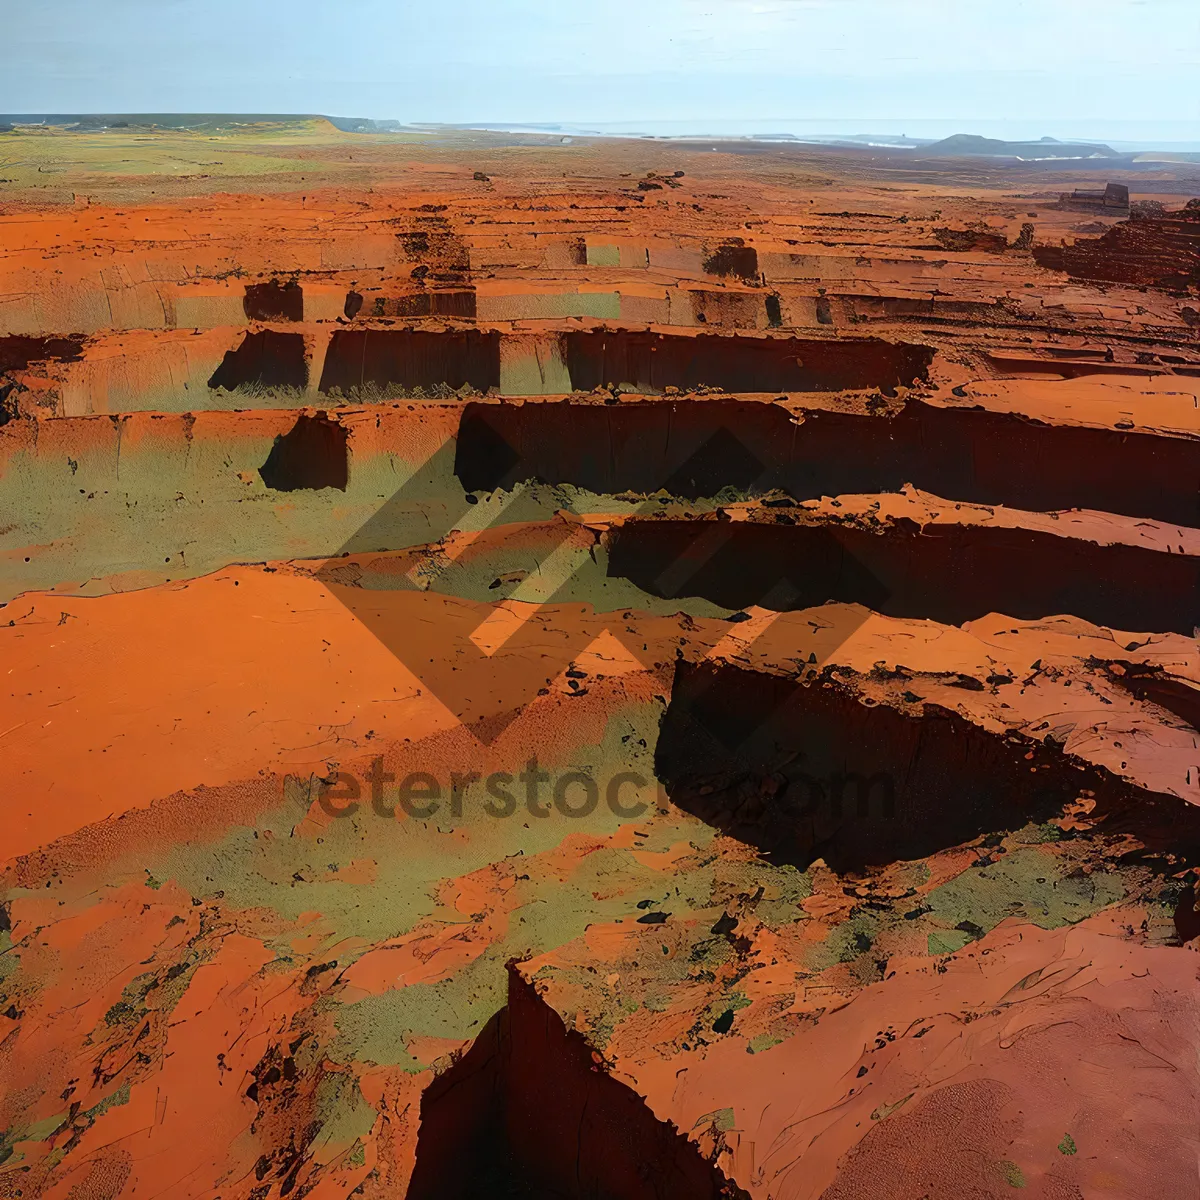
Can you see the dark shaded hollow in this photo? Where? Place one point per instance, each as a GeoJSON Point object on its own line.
{"type": "Point", "coordinates": [312, 454]}
{"type": "Point", "coordinates": [1151, 684]}
{"type": "Point", "coordinates": [274, 301]}
{"type": "Point", "coordinates": [409, 358]}
{"type": "Point", "coordinates": [1187, 917]}
{"type": "Point", "coordinates": [726, 308]}
{"type": "Point", "coordinates": [733, 258]}
{"type": "Point", "coordinates": [527, 1112]}
{"type": "Point", "coordinates": [695, 447]}
{"type": "Point", "coordinates": [17, 351]}
{"type": "Point", "coordinates": [654, 361]}
{"type": "Point", "coordinates": [458, 303]}
{"type": "Point", "coordinates": [266, 358]}
{"type": "Point", "coordinates": [436, 245]}
{"type": "Point", "coordinates": [959, 240]}
{"type": "Point", "coordinates": [806, 771]}
{"type": "Point", "coordinates": [945, 573]}
{"type": "Point", "coordinates": [453, 304]}
{"type": "Point", "coordinates": [10, 409]}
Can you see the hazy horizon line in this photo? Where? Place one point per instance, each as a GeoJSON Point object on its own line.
{"type": "Point", "coordinates": [1128, 133]}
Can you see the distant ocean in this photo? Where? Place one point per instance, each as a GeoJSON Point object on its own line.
{"type": "Point", "coordinates": [1177, 136]}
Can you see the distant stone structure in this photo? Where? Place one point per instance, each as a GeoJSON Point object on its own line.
{"type": "Point", "coordinates": [1112, 199]}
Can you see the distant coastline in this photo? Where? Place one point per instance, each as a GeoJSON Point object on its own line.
{"type": "Point", "coordinates": [1076, 142]}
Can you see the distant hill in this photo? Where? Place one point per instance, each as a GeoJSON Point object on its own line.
{"type": "Point", "coordinates": [962, 145]}
{"type": "Point", "coordinates": [365, 125]}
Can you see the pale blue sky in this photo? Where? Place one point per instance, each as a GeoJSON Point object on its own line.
{"type": "Point", "coordinates": [1027, 67]}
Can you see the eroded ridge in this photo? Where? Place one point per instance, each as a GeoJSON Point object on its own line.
{"type": "Point", "coordinates": [808, 770]}
{"type": "Point", "coordinates": [963, 453]}
{"type": "Point", "coordinates": [951, 573]}
{"type": "Point", "coordinates": [530, 1111]}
